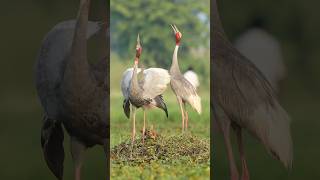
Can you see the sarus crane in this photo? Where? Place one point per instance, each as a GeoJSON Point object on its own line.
{"type": "Point", "coordinates": [192, 77]}
{"type": "Point", "coordinates": [146, 92]}
{"type": "Point", "coordinates": [243, 99]}
{"type": "Point", "coordinates": [183, 89]}
{"type": "Point", "coordinates": [72, 93]}
{"type": "Point", "coordinates": [264, 50]}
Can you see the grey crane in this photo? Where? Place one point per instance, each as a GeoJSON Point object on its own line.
{"type": "Point", "coordinates": [145, 92]}
{"type": "Point", "coordinates": [243, 99]}
{"type": "Point", "coordinates": [72, 93]}
{"type": "Point", "coordinates": [183, 89]}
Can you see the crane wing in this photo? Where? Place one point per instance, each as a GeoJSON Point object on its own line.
{"type": "Point", "coordinates": [192, 78]}
{"type": "Point", "coordinates": [51, 61]}
{"type": "Point", "coordinates": [155, 82]}
{"type": "Point", "coordinates": [185, 89]}
{"type": "Point", "coordinates": [125, 81]}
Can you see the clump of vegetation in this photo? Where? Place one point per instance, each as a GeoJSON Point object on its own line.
{"type": "Point", "coordinates": [166, 149]}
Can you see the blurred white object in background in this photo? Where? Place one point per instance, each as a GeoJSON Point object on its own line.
{"type": "Point", "coordinates": [264, 51]}
{"type": "Point", "coordinates": [192, 77]}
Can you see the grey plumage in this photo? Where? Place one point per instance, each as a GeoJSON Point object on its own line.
{"type": "Point", "coordinates": [183, 89]}
{"type": "Point", "coordinates": [244, 99]}
{"type": "Point", "coordinates": [72, 92]}
{"type": "Point", "coordinates": [151, 86]}
{"type": "Point", "coordinates": [145, 92]}
{"type": "Point", "coordinates": [51, 62]}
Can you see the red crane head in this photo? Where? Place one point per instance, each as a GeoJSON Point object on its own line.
{"type": "Point", "coordinates": [177, 33]}
{"type": "Point", "coordinates": [138, 50]}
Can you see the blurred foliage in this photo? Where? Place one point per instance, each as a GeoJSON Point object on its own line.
{"type": "Point", "coordinates": [151, 19]}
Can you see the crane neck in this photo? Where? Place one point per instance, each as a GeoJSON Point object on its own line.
{"type": "Point", "coordinates": [217, 25]}
{"type": "Point", "coordinates": [134, 80]}
{"type": "Point", "coordinates": [175, 64]}
{"type": "Point", "coordinates": [77, 72]}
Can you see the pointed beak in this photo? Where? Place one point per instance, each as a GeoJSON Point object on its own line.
{"type": "Point", "coordinates": [174, 28]}
{"type": "Point", "coordinates": [138, 40]}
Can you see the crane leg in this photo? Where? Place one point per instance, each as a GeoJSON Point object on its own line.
{"type": "Point", "coordinates": [144, 126]}
{"type": "Point", "coordinates": [133, 128]}
{"type": "Point", "coordinates": [232, 164]}
{"type": "Point", "coordinates": [182, 112]}
{"type": "Point", "coordinates": [186, 116]}
{"type": "Point", "coordinates": [245, 171]}
{"type": "Point", "coordinates": [77, 150]}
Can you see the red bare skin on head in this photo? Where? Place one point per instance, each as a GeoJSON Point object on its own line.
{"type": "Point", "coordinates": [178, 38]}
{"type": "Point", "coordinates": [138, 54]}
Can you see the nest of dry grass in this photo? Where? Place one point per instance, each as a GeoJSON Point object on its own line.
{"type": "Point", "coordinates": [167, 149]}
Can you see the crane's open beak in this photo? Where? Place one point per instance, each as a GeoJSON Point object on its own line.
{"type": "Point", "coordinates": [138, 40]}
{"type": "Point", "coordinates": [138, 46]}
{"type": "Point", "coordinates": [174, 27]}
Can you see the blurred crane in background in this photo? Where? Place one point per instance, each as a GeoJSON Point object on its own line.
{"type": "Point", "coordinates": [264, 50]}
{"type": "Point", "coordinates": [72, 92]}
{"type": "Point", "coordinates": [244, 99]}
{"type": "Point", "coordinates": [192, 77]}
{"type": "Point", "coordinates": [146, 92]}
{"type": "Point", "coordinates": [183, 89]}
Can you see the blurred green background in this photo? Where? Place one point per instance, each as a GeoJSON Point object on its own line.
{"type": "Point", "coordinates": [296, 25]}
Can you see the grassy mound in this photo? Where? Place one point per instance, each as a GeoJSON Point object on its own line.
{"type": "Point", "coordinates": [166, 149]}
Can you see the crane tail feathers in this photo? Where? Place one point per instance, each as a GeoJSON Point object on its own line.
{"type": "Point", "coordinates": [126, 107]}
{"type": "Point", "coordinates": [195, 102]}
{"type": "Point", "coordinates": [52, 145]}
{"type": "Point", "coordinates": [161, 104]}
{"type": "Point", "coordinates": [271, 124]}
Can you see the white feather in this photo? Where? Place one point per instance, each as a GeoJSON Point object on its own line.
{"type": "Point", "coordinates": [155, 82]}
{"type": "Point", "coordinates": [265, 52]}
{"type": "Point", "coordinates": [195, 102]}
{"type": "Point", "coordinates": [192, 78]}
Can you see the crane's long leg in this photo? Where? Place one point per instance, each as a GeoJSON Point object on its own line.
{"type": "Point", "coordinates": [182, 112]}
{"type": "Point", "coordinates": [245, 171]}
{"type": "Point", "coordinates": [144, 126]}
{"type": "Point", "coordinates": [77, 149]}
{"type": "Point", "coordinates": [232, 164]}
{"type": "Point", "coordinates": [186, 116]}
{"type": "Point", "coordinates": [133, 127]}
